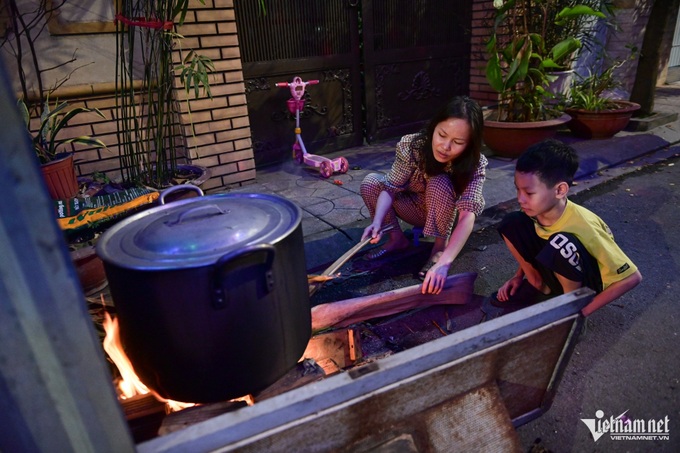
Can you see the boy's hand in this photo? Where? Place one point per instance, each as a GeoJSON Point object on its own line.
{"type": "Point", "coordinates": [509, 288]}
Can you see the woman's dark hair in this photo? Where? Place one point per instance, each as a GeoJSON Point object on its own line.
{"type": "Point", "coordinates": [463, 167]}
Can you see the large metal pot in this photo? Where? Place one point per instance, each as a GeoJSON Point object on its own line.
{"type": "Point", "coordinates": [211, 293]}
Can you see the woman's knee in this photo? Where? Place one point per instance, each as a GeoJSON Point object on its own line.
{"type": "Point", "coordinates": [440, 186]}
{"type": "Point", "coordinates": [371, 185]}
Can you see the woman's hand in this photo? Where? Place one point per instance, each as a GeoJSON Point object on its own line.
{"type": "Point", "coordinates": [381, 207]}
{"type": "Point", "coordinates": [435, 279]}
{"type": "Point", "coordinates": [374, 231]}
{"type": "Point", "coordinates": [509, 288]}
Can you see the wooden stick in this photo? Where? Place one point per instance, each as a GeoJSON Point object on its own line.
{"type": "Point", "coordinates": [458, 290]}
{"type": "Point", "coordinates": [333, 268]}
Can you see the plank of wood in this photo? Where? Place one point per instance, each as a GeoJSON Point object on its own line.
{"type": "Point", "coordinates": [329, 367]}
{"type": "Point", "coordinates": [458, 289]}
{"type": "Point", "coordinates": [141, 406]}
{"type": "Point", "coordinates": [302, 373]}
{"type": "Point", "coordinates": [340, 346]}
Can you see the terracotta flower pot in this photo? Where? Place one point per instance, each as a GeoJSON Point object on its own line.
{"type": "Point", "coordinates": [90, 269]}
{"type": "Point", "coordinates": [601, 124]}
{"type": "Point", "coordinates": [510, 139]}
{"type": "Point", "coordinates": [60, 177]}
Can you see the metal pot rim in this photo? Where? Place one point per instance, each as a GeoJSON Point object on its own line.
{"type": "Point", "coordinates": [197, 232]}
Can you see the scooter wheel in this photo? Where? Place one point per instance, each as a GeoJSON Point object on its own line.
{"type": "Point", "coordinates": [297, 155]}
{"type": "Point", "coordinates": [344, 165]}
{"type": "Point", "coordinates": [326, 169]}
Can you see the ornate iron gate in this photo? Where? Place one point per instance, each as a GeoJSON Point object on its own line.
{"type": "Point", "coordinates": [416, 56]}
{"type": "Point", "coordinates": [384, 67]}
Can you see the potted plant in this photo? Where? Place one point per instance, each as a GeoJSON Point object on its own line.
{"type": "Point", "coordinates": [521, 60]}
{"type": "Point", "coordinates": [57, 162]}
{"type": "Point", "coordinates": [45, 123]}
{"type": "Point", "coordinates": [595, 113]}
{"type": "Point", "coordinates": [148, 124]}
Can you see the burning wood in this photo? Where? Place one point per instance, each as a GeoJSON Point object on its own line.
{"type": "Point", "coordinates": [129, 384]}
{"type": "Point", "coordinates": [320, 278]}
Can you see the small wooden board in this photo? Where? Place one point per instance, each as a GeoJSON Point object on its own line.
{"type": "Point", "coordinates": [341, 346]}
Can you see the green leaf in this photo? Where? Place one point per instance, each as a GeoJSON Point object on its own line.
{"type": "Point", "coordinates": [575, 11]}
{"type": "Point", "coordinates": [494, 74]}
{"type": "Point", "coordinates": [491, 45]}
{"type": "Point", "coordinates": [85, 140]}
{"type": "Point", "coordinates": [194, 73]}
{"type": "Point", "coordinates": [519, 67]}
{"type": "Point", "coordinates": [550, 64]}
{"type": "Point", "coordinates": [180, 9]}
{"type": "Point", "coordinates": [565, 48]}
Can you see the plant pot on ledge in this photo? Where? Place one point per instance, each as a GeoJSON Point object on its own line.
{"type": "Point", "coordinates": [60, 178]}
{"type": "Point", "coordinates": [195, 177]}
{"type": "Point", "coordinates": [601, 124]}
{"type": "Point", "coordinates": [90, 269]}
{"type": "Point", "coordinates": [510, 139]}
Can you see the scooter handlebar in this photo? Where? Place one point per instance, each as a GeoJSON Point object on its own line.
{"type": "Point", "coordinates": [287, 84]}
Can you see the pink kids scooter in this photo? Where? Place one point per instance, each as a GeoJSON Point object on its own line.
{"type": "Point", "coordinates": [296, 104]}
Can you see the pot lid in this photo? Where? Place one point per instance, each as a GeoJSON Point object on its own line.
{"type": "Point", "coordinates": [196, 232]}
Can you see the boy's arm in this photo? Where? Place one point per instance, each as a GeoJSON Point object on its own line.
{"type": "Point", "coordinates": [508, 288]}
{"type": "Point", "coordinates": [613, 291]}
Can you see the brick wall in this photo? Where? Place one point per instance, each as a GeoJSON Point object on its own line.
{"type": "Point", "coordinates": [220, 139]}
{"type": "Point", "coordinates": [221, 126]}
{"type": "Point", "coordinates": [482, 20]}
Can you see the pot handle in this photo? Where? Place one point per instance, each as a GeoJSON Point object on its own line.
{"type": "Point", "coordinates": [268, 251]}
{"type": "Point", "coordinates": [169, 190]}
{"type": "Point", "coordinates": [183, 216]}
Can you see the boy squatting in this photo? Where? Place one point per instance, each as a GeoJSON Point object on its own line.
{"type": "Point", "coordinates": [559, 245]}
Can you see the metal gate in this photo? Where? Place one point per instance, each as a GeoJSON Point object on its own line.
{"type": "Point", "coordinates": [384, 66]}
{"type": "Point", "coordinates": [674, 59]}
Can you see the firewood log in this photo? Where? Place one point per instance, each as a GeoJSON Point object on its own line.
{"type": "Point", "coordinates": [458, 289]}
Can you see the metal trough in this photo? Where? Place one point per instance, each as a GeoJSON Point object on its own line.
{"type": "Point", "coordinates": [463, 392]}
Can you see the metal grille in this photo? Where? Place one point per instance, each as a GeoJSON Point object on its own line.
{"type": "Point", "coordinates": [385, 66]}
{"type": "Point", "coordinates": [416, 23]}
{"type": "Point", "coordinates": [294, 29]}
{"type": "Point", "coordinates": [675, 50]}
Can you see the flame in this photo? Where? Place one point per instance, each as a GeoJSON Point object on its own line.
{"type": "Point", "coordinates": [129, 384]}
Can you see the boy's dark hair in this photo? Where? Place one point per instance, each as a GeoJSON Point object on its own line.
{"type": "Point", "coordinates": [551, 161]}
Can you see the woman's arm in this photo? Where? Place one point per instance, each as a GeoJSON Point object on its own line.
{"type": "Point", "coordinates": [381, 207]}
{"type": "Point", "coordinates": [613, 291]}
{"type": "Point", "coordinates": [436, 276]}
{"type": "Point", "coordinates": [396, 179]}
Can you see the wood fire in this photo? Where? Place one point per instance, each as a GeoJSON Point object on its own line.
{"type": "Point", "coordinates": [129, 384]}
